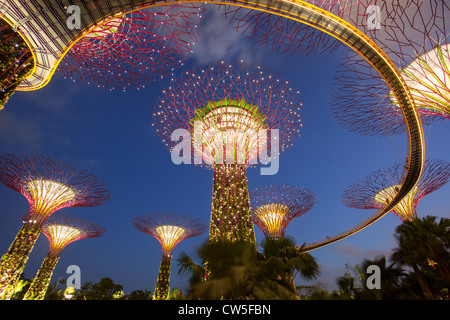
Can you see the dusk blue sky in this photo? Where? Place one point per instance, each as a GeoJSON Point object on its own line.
{"type": "Point", "coordinates": [110, 135]}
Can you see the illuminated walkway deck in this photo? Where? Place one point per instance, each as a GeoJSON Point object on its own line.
{"type": "Point", "coordinates": [47, 33]}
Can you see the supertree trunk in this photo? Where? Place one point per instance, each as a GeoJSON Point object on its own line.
{"type": "Point", "coordinates": [14, 260]}
{"type": "Point", "coordinates": [162, 288]}
{"type": "Point", "coordinates": [169, 229]}
{"type": "Point", "coordinates": [40, 283]}
{"type": "Point", "coordinates": [230, 213]}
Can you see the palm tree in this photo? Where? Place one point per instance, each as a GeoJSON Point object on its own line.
{"type": "Point", "coordinates": [346, 286]}
{"type": "Point", "coordinates": [187, 267]}
{"type": "Point", "coordinates": [421, 241]}
{"type": "Point", "coordinates": [390, 277]}
{"type": "Point", "coordinates": [435, 238]}
{"type": "Point", "coordinates": [235, 271]}
{"type": "Point", "coordinates": [295, 260]}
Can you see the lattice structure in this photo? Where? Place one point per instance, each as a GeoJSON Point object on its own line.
{"type": "Point", "coordinates": [48, 185]}
{"type": "Point", "coordinates": [133, 50]}
{"type": "Point", "coordinates": [362, 102]}
{"type": "Point", "coordinates": [169, 229]}
{"type": "Point", "coordinates": [16, 61]}
{"type": "Point", "coordinates": [273, 207]}
{"type": "Point", "coordinates": [227, 110]}
{"type": "Point", "coordinates": [417, 43]}
{"type": "Point", "coordinates": [378, 189]}
{"type": "Point", "coordinates": [286, 36]}
{"type": "Point", "coordinates": [60, 231]}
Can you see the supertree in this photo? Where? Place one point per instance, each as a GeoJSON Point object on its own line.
{"type": "Point", "coordinates": [287, 36]}
{"type": "Point", "coordinates": [273, 207]}
{"type": "Point", "coordinates": [169, 229]}
{"type": "Point", "coordinates": [132, 50]}
{"type": "Point", "coordinates": [48, 185]}
{"type": "Point", "coordinates": [417, 43]}
{"type": "Point", "coordinates": [278, 33]}
{"type": "Point", "coordinates": [60, 230]}
{"type": "Point", "coordinates": [228, 109]}
{"type": "Point", "coordinates": [378, 189]}
{"type": "Point", "coordinates": [16, 61]}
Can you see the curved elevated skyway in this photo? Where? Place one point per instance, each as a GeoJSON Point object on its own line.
{"type": "Point", "coordinates": [43, 24]}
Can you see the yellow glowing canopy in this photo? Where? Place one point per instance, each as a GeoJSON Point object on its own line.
{"type": "Point", "coordinates": [61, 235]}
{"type": "Point", "coordinates": [48, 195]}
{"type": "Point", "coordinates": [405, 208]}
{"type": "Point", "coordinates": [272, 215]}
{"type": "Point", "coordinates": [169, 236]}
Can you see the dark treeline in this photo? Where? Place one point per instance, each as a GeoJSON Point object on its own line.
{"type": "Point", "coordinates": [418, 269]}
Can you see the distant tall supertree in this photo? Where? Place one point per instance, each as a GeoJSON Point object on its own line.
{"type": "Point", "coordinates": [273, 207]}
{"type": "Point", "coordinates": [377, 189]}
{"type": "Point", "coordinates": [132, 50]}
{"type": "Point", "coordinates": [48, 185]}
{"type": "Point", "coordinates": [227, 110]}
{"type": "Point", "coordinates": [16, 61]}
{"type": "Point", "coordinates": [60, 230]}
{"type": "Point", "coordinates": [417, 43]}
{"type": "Point", "coordinates": [169, 229]}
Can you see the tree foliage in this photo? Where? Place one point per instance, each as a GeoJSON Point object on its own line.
{"type": "Point", "coordinates": [236, 270]}
{"type": "Point", "coordinates": [16, 61]}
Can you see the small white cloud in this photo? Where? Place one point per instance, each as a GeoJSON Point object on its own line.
{"type": "Point", "coordinates": [219, 41]}
{"type": "Point", "coordinates": [359, 253]}
{"type": "Point", "coordinates": [328, 276]}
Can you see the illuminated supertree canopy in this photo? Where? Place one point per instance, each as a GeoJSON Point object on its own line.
{"type": "Point", "coordinates": [227, 110]}
{"type": "Point", "coordinates": [273, 207]}
{"type": "Point", "coordinates": [60, 231]}
{"type": "Point", "coordinates": [16, 61]}
{"type": "Point", "coordinates": [417, 43]}
{"type": "Point", "coordinates": [362, 102]}
{"type": "Point", "coordinates": [409, 29]}
{"type": "Point", "coordinates": [48, 185]}
{"type": "Point", "coordinates": [169, 229]}
{"type": "Point", "coordinates": [377, 189]}
{"type": "Point", "coordinates": [428, 79]}
{"type": "Point", "coordinates": [132, 50]}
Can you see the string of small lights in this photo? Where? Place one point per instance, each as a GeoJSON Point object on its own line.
{"type": "Point", "coordinates": [225, 107]}
{"type": "Point", "coordinates": [60, 230]}
{"type": "Point", "coordinates": [48, 185]}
